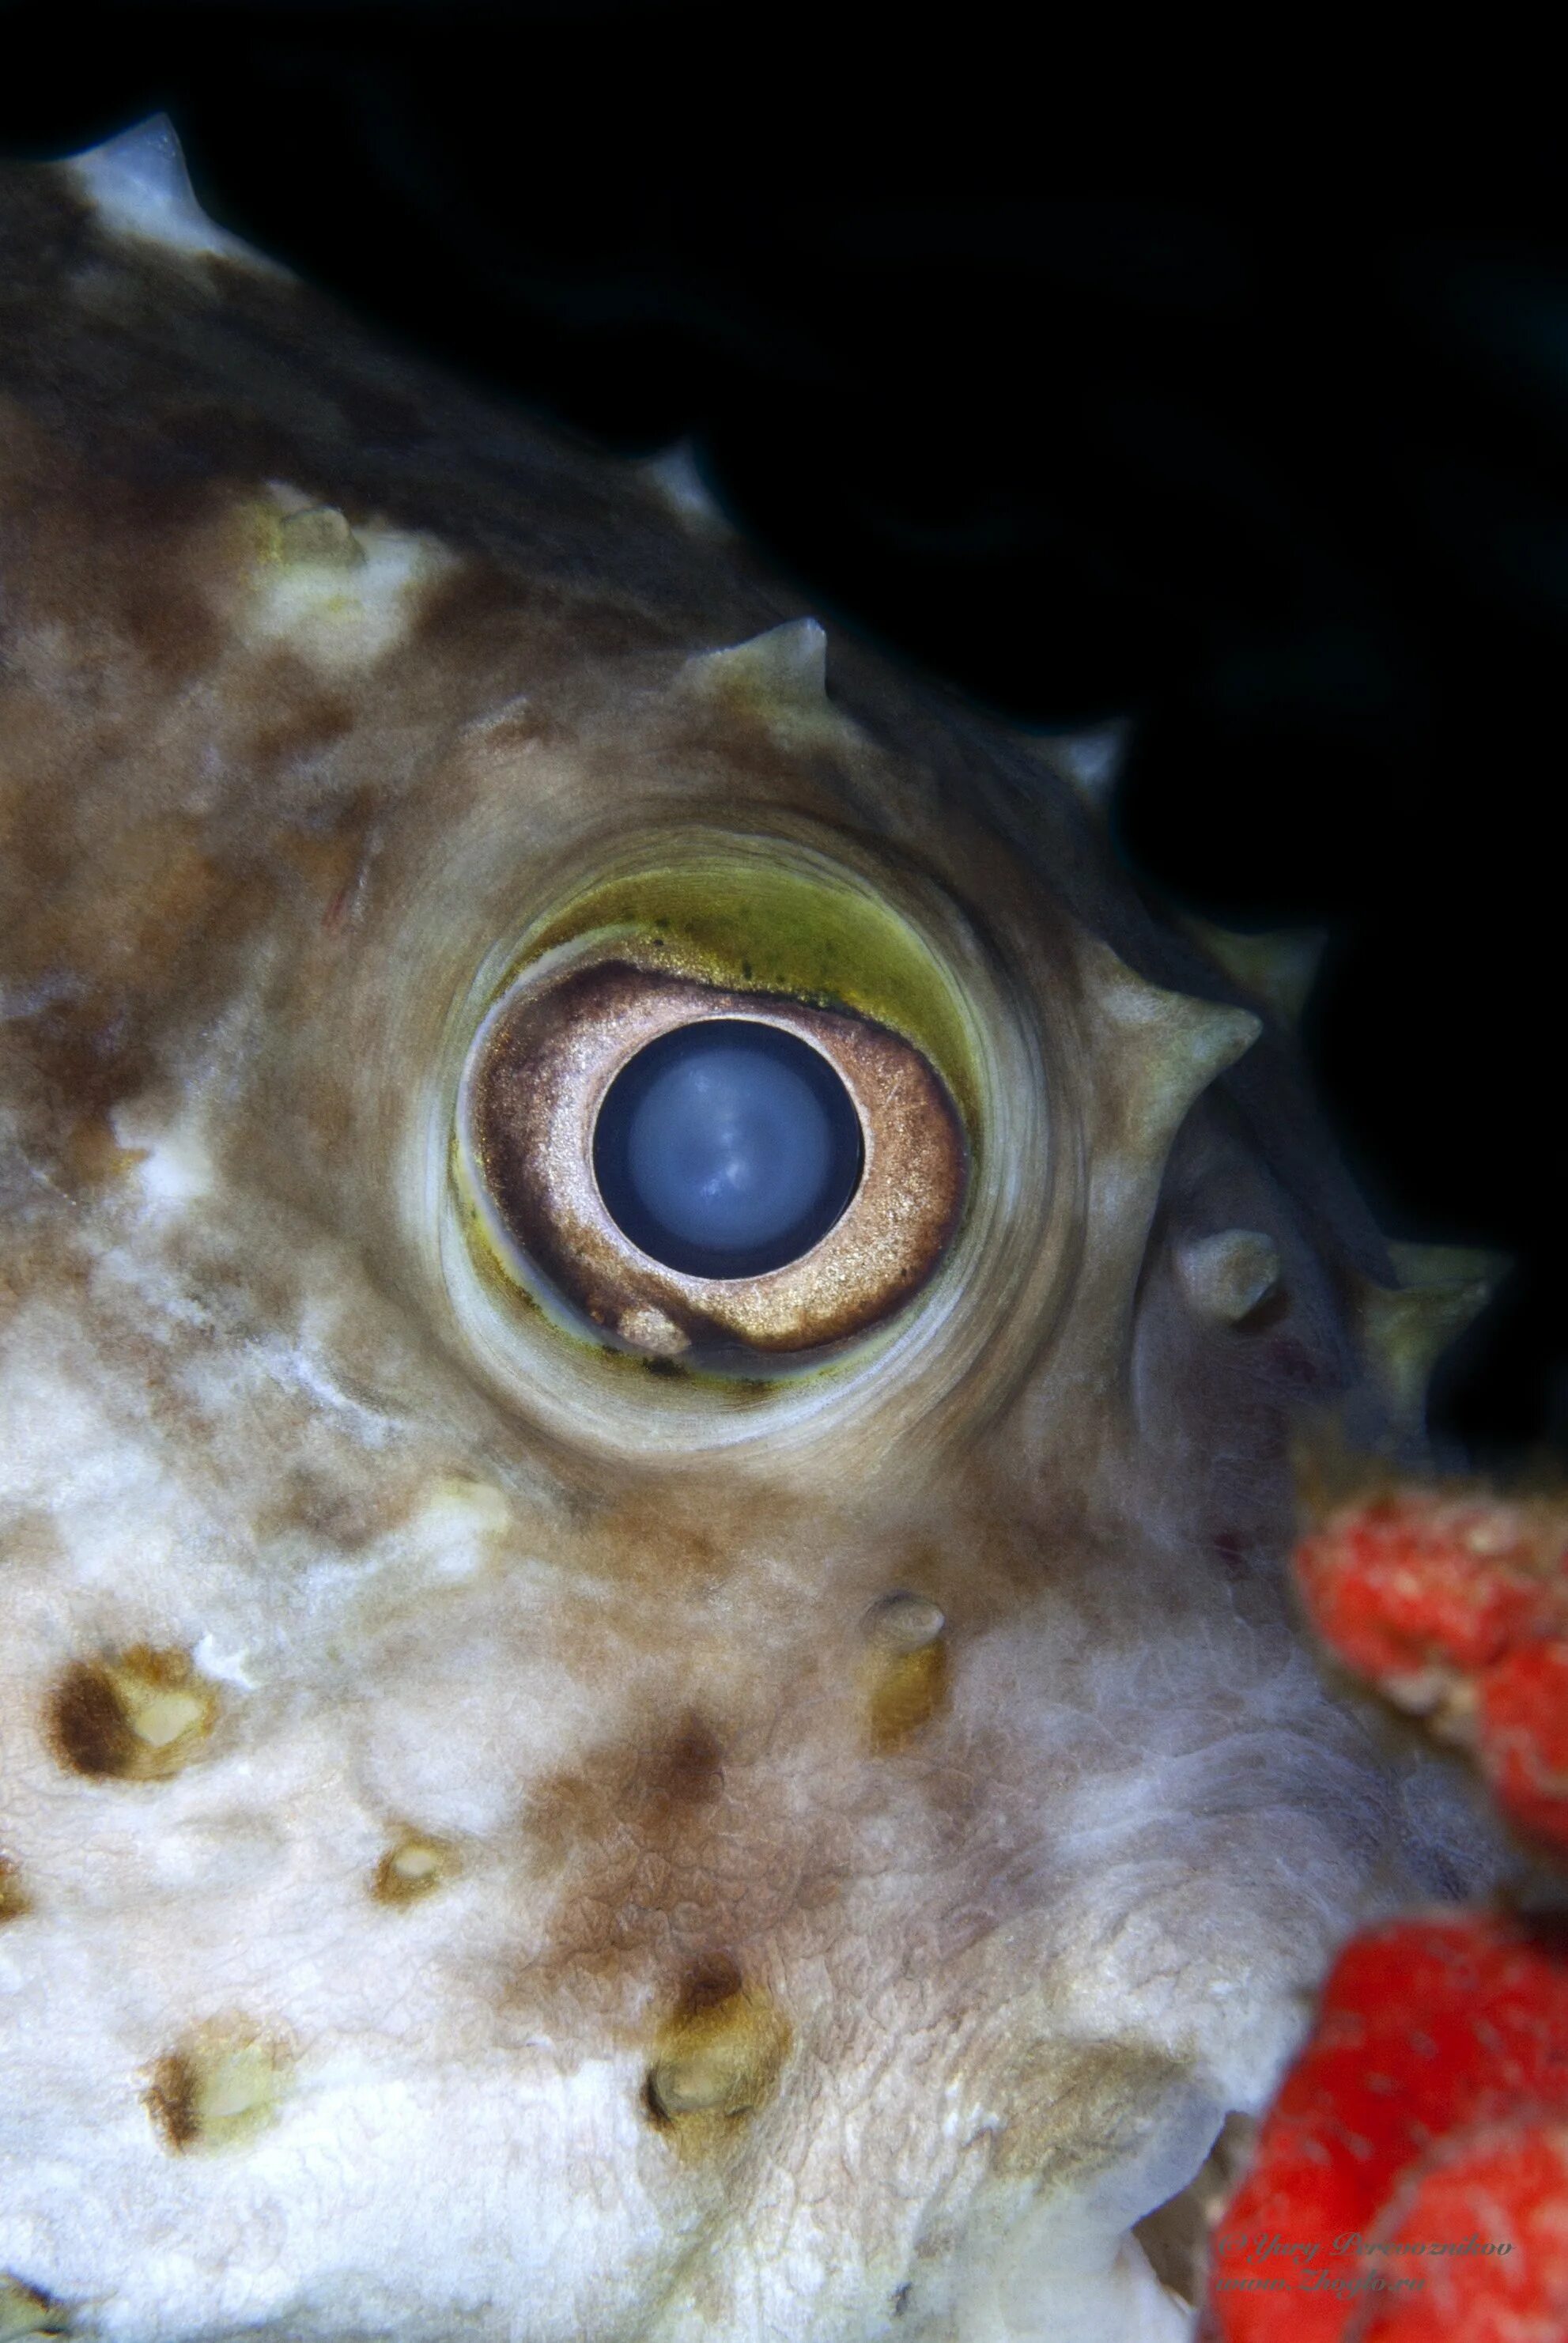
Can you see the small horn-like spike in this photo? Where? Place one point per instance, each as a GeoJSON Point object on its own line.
{"type": "Point", "coordinates": [1279, 969]}
{"type": "Point", "coordinates": [677, 481]}
{"type": "Point", "coordinates": [1092, 761]}
{"type": "Point", "coordinates": [778, 679]}
{"type": "Point", "coordinates": [1226, 1276]}
{"type": "Point", "coordinates": [1151, 1053]}
{"type": "Point", "coordinates": [1169, 1048]}
{"type": "Point", "coordinates": [1406, 1329]}
{"type": "Point", "coordinates": [787, 664]}
{"type": "Point", "coordinates": [140, 186]}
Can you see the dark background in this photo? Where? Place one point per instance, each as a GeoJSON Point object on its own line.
{"type": "Point", "coordinates": [1237, 412]}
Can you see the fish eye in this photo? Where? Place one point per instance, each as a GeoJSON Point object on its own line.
{"type": "Point", "coordinates": [695, 1172]}
{"type": "Point", "coordinates": [740, 1139]}
{"type": "Point", "coordinates": [728, 1147]}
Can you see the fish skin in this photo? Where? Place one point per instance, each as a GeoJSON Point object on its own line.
{"type": "Point", "coordinates": [969, 1996]}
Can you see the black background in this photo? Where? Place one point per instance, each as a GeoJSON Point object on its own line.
{"type": "Point", "coordinates": [1098, 383]}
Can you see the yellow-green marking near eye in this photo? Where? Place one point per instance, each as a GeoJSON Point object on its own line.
{"type": "Point", "coordinates": [757, 926]}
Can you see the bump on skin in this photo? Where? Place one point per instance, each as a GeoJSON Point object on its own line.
{"type": "Point", "coordinates": [319, 537]}
{"type": "Point", "coordinates": [413, 1868]}
{"type": "Point", "coordinates": [1229, 1275]}
{"type": "Point", "coordinates": [906, 1669]}
{"type": "Point", "coordinates": [14, 1901]}
{"type": "Point", "coordinates": [717, 2061]}
{"type": "Point", "coordinates": [26, 2310]}
{"type": "Point", "coordinates": [219, 2086]}
{"type": "Point", "coordinates": [139, 1717]}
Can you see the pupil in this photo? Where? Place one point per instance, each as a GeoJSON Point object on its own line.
{"type": "Point", "coordinates": [726, 1149]}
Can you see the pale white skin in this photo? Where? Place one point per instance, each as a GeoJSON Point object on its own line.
{"type": "Point", "coordinates": [597, 1665]}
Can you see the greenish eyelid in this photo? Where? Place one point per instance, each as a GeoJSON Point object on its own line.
{"type": "Point", "coordinates": [782, 931]}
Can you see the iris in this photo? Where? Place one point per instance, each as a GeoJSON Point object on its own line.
{"type": "Point", "coordinates": [726, 1149]}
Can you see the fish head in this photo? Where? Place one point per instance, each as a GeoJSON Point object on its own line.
{"type": "Point", "coordinates": [558, 1785]}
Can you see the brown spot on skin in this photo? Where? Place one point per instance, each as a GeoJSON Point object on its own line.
{"type": "Point", "coordinates": [140, 1717]}
{"type": "Point", "coordinates": [635, 1838]}
{"type": "Point", "coordinates": [14, 1901]}
{"type": "Point", "coordinates": [123, 920]}
{"type": "Point", "coordinates": [906, 1669]}
{"type": "Point", "coordinates": [349, 1515]}
{"type": "Point", "coordinates": [217, 2088]}
{"type": "Point", "coordinates": [683, 1549]}
{"type": "Point", "coordinates": [302, 719]}
{"type": "Point", "coordinates": [415, 1867]}
{"type": "Point", "coordinates": [152, 922]}
{"type": "Point", "coordinates": [82, 1058]}
{"type": "Point", "coordinates": [1078, 2108]}
{"type": "Point", "coordinates": [686, 1771]}
{"type": "Point", "coordinates": [171, 2100]}
{"type": "Point", "coordinates": [649, 1788]}
{"type": "Point", "coordinates": [28, 2310]}
{"type": "Point", "coordinates": [718, 2058]}
{"type": "Point", "coordinates": [93, 1157]}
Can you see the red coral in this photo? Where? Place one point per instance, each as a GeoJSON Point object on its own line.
{"type": "Point", "coordinates": [1415, 1580]}
{"type": "Point", "coordinates": [1410, 2182]}
{"type": "Point", "coordinates": [1521, 1726]}
{"type": "Point", "coordinates": [1459, 1606]}
{"type": "Point", "coordinates": [1506, 2185]}
{"type": "Point", "coordinates": [1429, 2029]}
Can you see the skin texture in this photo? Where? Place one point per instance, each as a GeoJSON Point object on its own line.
{"type": "Point", "coordinates": [502, 1840]}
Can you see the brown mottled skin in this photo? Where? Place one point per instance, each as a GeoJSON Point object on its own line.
{"type": "Point", "coordinates": [768, 1978]}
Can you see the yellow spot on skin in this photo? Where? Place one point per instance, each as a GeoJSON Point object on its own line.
{"type": "Point", "coordinates": [14, 1901]}
{"type": "Point", "coordinates": [479, 1505]}
{"type": "Point", "coordinates": [906, 1668]}
{"type": "Point", "coordinates": [340, 597]}
{"type": "Point", "coordinates": [717, 2060]}
{"type": "Point", "coordinates": [218, 2088]}
{"type": "Point", "coordinates": [415, 1867]}
{"type": "Point", "coordinates": [140, 1717]}
{"type": "Point", "coordinates": [23, 2310]}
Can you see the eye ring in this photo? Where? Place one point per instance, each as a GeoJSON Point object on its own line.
{"type": "Point", "coordinates": [531, 1098]}
{"type": "Point", "coordinates": [788, 909]}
